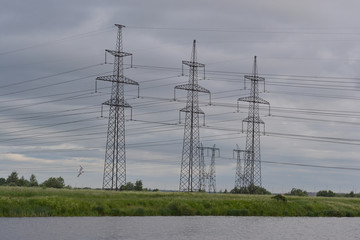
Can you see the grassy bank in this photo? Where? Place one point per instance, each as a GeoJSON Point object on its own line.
{"type": "Point", "coordinates": [31, 202]}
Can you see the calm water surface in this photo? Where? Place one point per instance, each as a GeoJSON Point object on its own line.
{"type": "Point", "coordinates": [165, 228]}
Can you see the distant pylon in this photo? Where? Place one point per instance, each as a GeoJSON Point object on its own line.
{"type": "Point", "coordinates": [190, 178]}
{"type": "Point", "coordinates": [115, 157]}
{"type": "Point", "coordinates": [252, 164]}
{"type": "Point", "coordinates": [239, 177]}
{"type": "Point", "coordinates": [208, 177]}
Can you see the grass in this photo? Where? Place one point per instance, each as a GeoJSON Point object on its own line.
{"type": "Point", "coordinates": [38, 202]}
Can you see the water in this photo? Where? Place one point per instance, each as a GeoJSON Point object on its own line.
{"type": "Point", "coordinates": [165, 228]}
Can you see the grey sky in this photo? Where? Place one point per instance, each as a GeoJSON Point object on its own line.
{"type": "Point", "coordinates": [308, 51]}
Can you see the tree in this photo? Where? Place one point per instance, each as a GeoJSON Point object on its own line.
{"type": "Point", "coordinates": [129, 186]}
{"type": "Point", "coordinates": [138, 185]}
{"type": "Point", "coordinates": [33, 181]}
{"type": "Point", "coordinates": [324, 193]}
{"type": "Point", "coordinates": [2, 181]}
{"type": "Point", "coordinates": [297, 192]}
{"type": "Point", "coordinates": [13, 179]}
{"type": "Point", "coordinates": [252, 189]}
{"type": "Point", "coordinates": [23, 182]}
{"type": "Point", "coordinates": [54, 182]}
{"type": "Point", "coordinates": [351, 194]}
{"type": "Point", "coordinates": [235, 190]}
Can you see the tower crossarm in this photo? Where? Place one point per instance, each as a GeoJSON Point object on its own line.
{"type": "Point", "coordinates": [194, 110]}
{"type": "Point", "coordinates": [193, 64]}
{"type": "Point", "coordinates": [117, 103]}
{"type": "Point", "coordinates": [253, 120]}
{"type": "Point", "coordinates": [254, 78]}
{"type": "Point", "coordinates": [118, 53]}
{"type": "Point", "coordinates": [192, 87]}
{"type": "Point", "coordinates": [253, 100]}
{"type": "Point", "coordinates": [120, 79]}
{"type": "Point", "coordinates": [211, 148]}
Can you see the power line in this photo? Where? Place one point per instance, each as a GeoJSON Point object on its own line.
{"type": "Point", "coordinates": [50, 76]}
{"type": "Point", "coordinates": [245, 30]}
{"type": "Point", "coordinates": [48, 43]}
{"type": "Point", "coordinates": [303, 165]}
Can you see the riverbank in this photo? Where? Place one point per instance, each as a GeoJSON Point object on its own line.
{"type": "Point", "coordinates": [38, 202]}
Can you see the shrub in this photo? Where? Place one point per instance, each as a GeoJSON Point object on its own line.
{"type": "Point", "coordinates": [297, 192]}
{"type": "Point", "coordinates": [2, 181]}
{"type": "Point", "coordinates": [280, 197]}
{"type": "Point", "coordinates": [324, 193]}
{"type": "Point", "coordinates": [252, 189]}
{"type": "Point", "coordinates": [54, 183]}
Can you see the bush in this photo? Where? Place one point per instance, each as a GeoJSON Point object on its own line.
{"type": "Point", "coordinates": [297, 192]}
{"type": "Point", "coordinates": [54, 183]}
{"type": "Point", "coordinates": [252, 189]}
{"type": "Point", "coordinates": [324, 193]}
{"type": "Point", "coordinates": [2, 181]}
{"type": "Point", "coordinates": [138, 186]}
{"type": "Point", "coordinates": [280, 197]}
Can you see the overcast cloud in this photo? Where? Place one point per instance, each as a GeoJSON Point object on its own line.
{"type": "Point", "coordinates": [308, 52]}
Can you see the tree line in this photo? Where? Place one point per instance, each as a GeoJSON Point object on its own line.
{"type": "Point", "coordinates": [252, 189]}
{"type": "Point", "coordinates": [14, 180]}
{"type": "Point", "coordinates": [322, 193]}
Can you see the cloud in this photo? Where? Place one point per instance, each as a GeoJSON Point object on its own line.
{"type": "Point", "coordinates": [24, 159]}
{"type": "Point", "coordinates": [56, 121]}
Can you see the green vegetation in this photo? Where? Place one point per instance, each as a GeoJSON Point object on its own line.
{"type": "Point", "coordinates": [14, 180]}
{"type": "Point", "coordinates": [37, 201]}
{"type": "Point", "coordinates": [297, 192]}
{"type": "Point", "coordinates": [325, 193]}
{"type": "Point", "coordinates": [138, 186]}
{"type": "Point", "coordinates": [252, 189]}
{"type": "Point", "coordinates": [54, 183]}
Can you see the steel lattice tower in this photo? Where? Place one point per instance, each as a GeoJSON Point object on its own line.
{"type": "Point", "coordinates": [239, 178]}
{"type": "Point", "coordinates": [208, 178]}
{"type": "Point", "coordinates": [203, 174]}
{"type": "Point", "coordinates": [190, 174]}
{"type": "Point", "coordinates": [115, 157]}
{"type": "Point", "coordinates": [252, 164]}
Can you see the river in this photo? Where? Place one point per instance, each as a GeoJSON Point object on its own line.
{"type": "Point", "coordinates": [166, 228]}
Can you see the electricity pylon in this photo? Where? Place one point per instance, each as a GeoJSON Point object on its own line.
{"type": "Point", "coordinates": [252, 164]}
{"type": "Point", "coordinates": [239, 177]}
{"type": "Point", "coordinates": [190, 178]}
{"type": "Point", "coordinates": [115, 157]}
{"type": "Point", "coordinates": [208, 178]}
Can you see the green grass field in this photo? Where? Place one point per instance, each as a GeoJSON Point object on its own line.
{"type": "Point", "coordinates": [38, 202]}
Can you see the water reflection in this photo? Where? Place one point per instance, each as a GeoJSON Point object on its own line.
{"type": "Point", "coordinates": [165, 228]}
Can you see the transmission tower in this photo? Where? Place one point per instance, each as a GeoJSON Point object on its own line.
{"type": "Point", "coordinates": [115, 157]}
{"type": "Point", "coordinates": [190, 173]}
{"type": "Point", "coordinates": [239, 177]}
{"type": "Point", "coordinates": [252, 164]}
{"type": "Point", "coordinates": [203, 173]}
{"type": "Point", "coordinates": [208, 177]}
